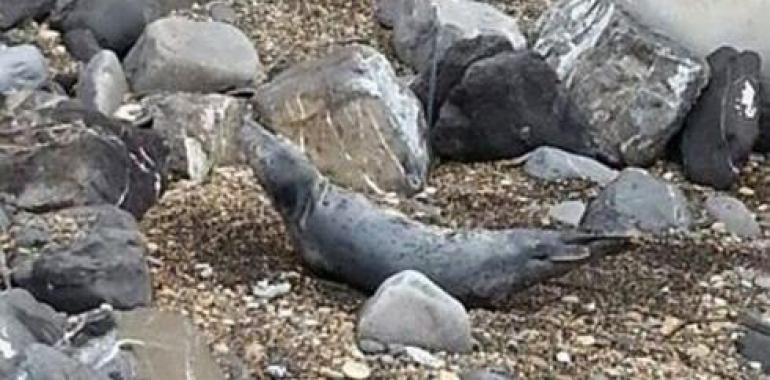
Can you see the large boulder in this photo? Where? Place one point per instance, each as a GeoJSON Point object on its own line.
{"type": "Point", "coordinates": [634, 85]}
{"type": "Point", "coordinates": [638, 202]}
{"type": "Point", "coordinates": [410, 310]}
{"type": "Point", "coordinates": [21, 67]}
{"type": "Point", "coordinates": [88, 26]}
{"type": "Point", "coordinates": [552, 164]}
{"type": "Point", "coordinates": [351, 115]}
{"type": "Point", "coordinates": [70, 157]}
{"type": "Point", "coordinates": [424, 29]}
{"type": "Point", "coordinates": [102, 84]}
{"type": "Point", "coordinates": [504, 106]}
{"type": "Point", "coordinates": [176, 54]}
{"type": "Point", "coordinates": [14, 12]}
{"type": "Point", "coordinates": [187, 358]}
{"type": "Point", "coordinates": [721, 130]}
{"type": "Point", "coordinates": [82, 257]}
{"type": "Point", "coordinates": [200, 131]}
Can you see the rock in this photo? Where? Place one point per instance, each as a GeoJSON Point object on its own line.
{"type": "Point", "coordinates": [175, 54]}
{"type": "Point", "coordinates": [24, 322]}
{"type": "Point", "coordinates": [90, 159]}
{"type": "Point", "coordinates": [187, 357]}
{"type": "Point", "coordinates": [635, 86]}
{"type": "Point", "coordinates": [486, 375]}
{"type": "Point", "coordinates": [755, 346]}
{"type": "Point", "coordinates": [102, 84]}
{"type": "Point", "coordinates": [408, 309]}
{"type": "Point", "coordinates": [424, 26]}
{"type": "Point", "coordinates": [569, 213]}
{"type": "Point", "coordinates": [723, 127]}
{"type": "Point", "coordinates": [101, 261]}
{"type": "Point", "coordinates": [200, 131]}
{"type": "Point", "coordinates": [14, 12]}
{"type": "Point", "coordinates": [350, 114]}
{"type": "Point", "coordinates": [553, 164]}
{"type": "Point", "coordinates": [638, 202]}
{"type": "Point", "coordinates": [21, 67]}
{"type": "Point", "coordinates": [503, 107]}
{"type": "Point", "coordinates": [386, 11]}
{"type": "Point", "coordinates": [89, 26]}
{"type": "Point", "coordinates": [564, 357]}
{"type": "Point", "coordinates": [266, 291]}
{"type": "Point", "coordinates": [222, 12]}
{"type": "Point", "coordinates": [447, 375]}
{"type": "Point", "coordinates": [736, 217]}
{"type": "Point", "coordinates": [372, 346]}
{"type": "Point", "coordinates": [422, 357]}
{"type": "Point", "coordinates": [330, 225]}
{"type": "Point", "coordinates": [155, 9]}
{"type": "Point", "coordinates": [43, 362]}
{"type": "Point", "coordinates": [356, 370]}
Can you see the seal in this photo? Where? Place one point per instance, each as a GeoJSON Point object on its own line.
{"type": "Point", "coordinates": [342, 235]}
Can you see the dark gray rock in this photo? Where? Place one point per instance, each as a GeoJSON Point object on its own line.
{"type": "Point", "coordinates": [14, 12]}
{"type": "Point", "coordinates": [200, 131]}
{"type": "Point", "coordinates": [755, 346]}
{"type": "Point", "coordinates": [486, 375]}
{"type": "Point", "coordinates": [634, 86]}
{"type": "Point", "coordinates": [111, 24]}
{"type": "Point", "coordinates": [352, 116]}
{"type": "Point", "coordinates": [386, 11]}
{"type": "Point", "coordinates": [175, 54]}
{"type": "Point", "coordinates": [638, 202]}
{"type": "Point", "coordinates": [89, 160]}
{"type": "Point", "coordinates": [722, 129]}
{"type": "Point", "coordinates": [21, 67]}
{"type": "Point", "coordinates": [424, 26]}
{"type": "Point", "coordinates": [410, 310]}
{"type": "Point", "coordinates": [343, 235]}
{"type": "Point", "coordinates": [102, 261]}
{"type": "Point", "coordinates": [43, 362]}
{"type": "Point", "coordinates": [503, 107]}
{"type": "Point", "coordinates": [763, 141]}
{"type": "Point", "coordinates": [23, 322]}
{"type": "Point", "coordinates": [102, 83]}
{"type": "Point", "coordinates": [552, 164]}
{"type": "Point", "coordinates": [737, 218]}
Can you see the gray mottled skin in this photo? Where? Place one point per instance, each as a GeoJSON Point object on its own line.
{"type": "Point", "coordinates": [343, 235]}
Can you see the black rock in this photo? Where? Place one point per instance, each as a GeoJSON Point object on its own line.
{"type": "Point", "coordinates": [755, 346]}
{"type": "Point", "coordinates": [112, 24]}
{"type": "Point", "coordinates": [103, 262]}
{"type": "Point", "coordinates": [91, 159]}
{"type": "Point", "coordinates": [722, 129]}
{"type": "Point", "coordinates": [503, 107]}
{"type": "Point", "coordinates": [14, 12]}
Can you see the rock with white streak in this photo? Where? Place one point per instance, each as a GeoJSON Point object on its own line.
{"type": "Point", "coordinates": [634, 85]}
{"type": "Point", "coordinates": [102, 83]}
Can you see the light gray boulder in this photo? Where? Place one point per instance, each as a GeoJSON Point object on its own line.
{"type": "Point", "coordinates": [634, 85]}
{"type": "Point", "coordinates": [176, 54]}
{"type": "Point", "coordinates": [737, 218]}
{"type": "Point", "coordinates": [102, 84]}
{"type": "Point", "coordinates": [21, 67]}
{"type": "Point", "coordinates": [553, 164]}
{"type": "Point", "coordinates": [638, 202]}
{"type": "Point", "coordinates": [410, 310]}
{"type": "Point", "coordinates": [421, 27]}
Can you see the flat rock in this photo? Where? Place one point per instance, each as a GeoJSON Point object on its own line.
{"type": "Point", "coordinates": [353, 118]}
{"type": "Point", "coordinates": [408, 309]}
{"type": "Point", "coordinates": [14, 12]}
{"type": "Point", "coordinates": [100, 261]}
{"type": "Point", "coordinates": [102, 84]}
{"type": "Point", "coordinates": [422, 27]}
{"type": "Point", "coordinates": [88, 26]}
{"type": "Point", "coordinates": [42, 362]}
{"type": "Point", "coordinates": [737, 218]}
{"type": "Point", "coordinates": [21, 67]}
{"type": "Point", "coordinates": [722, 129]}
{"type": "Point", "coordinates": [553, 164]}
{"type": "Point", "coordinates": [90, 160]}
{"type": "Point", "coordinates": [200, 131]}
{"type": "Point", "coordinates": [638, 202]}
{"type": "Point", "coordinates": [503, 107]}
{"type": "Point", "coordinates": [569, 213]}
{"type": "Point", "coordinates": [172, 348]}
{"type": "Point", "coordinates": [755, 346]}
{"type": "Point", "coordinates": [634, 85]}
{"type": "Point", "coordinates": [175, 54]}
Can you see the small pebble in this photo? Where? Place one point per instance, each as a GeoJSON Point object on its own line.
{"type": "Point", "coordinates": [356, 370]}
